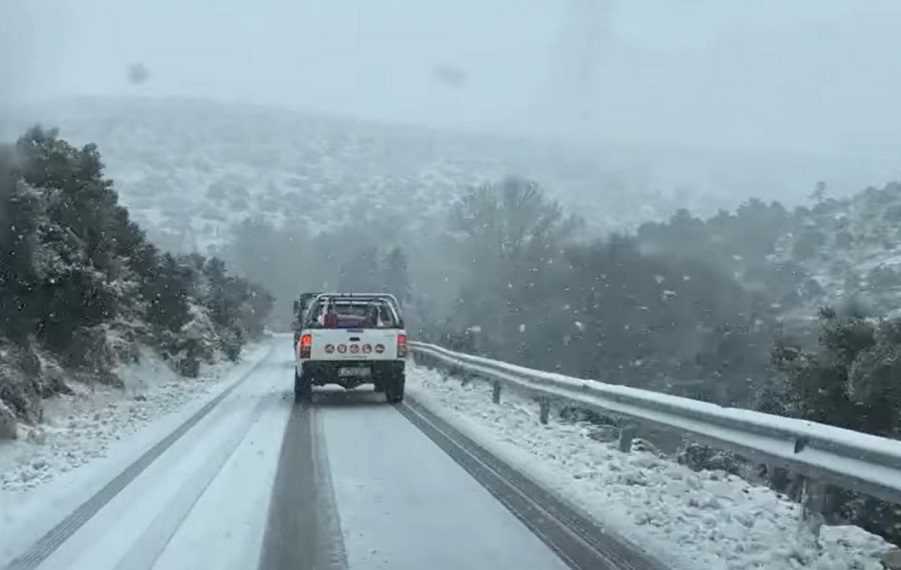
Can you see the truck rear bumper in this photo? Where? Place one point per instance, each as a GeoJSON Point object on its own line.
{"type": "Point", "coordinates": [350, 373]}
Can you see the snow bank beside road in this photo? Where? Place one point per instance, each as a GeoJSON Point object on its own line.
{"type": "Point", "coordinates": [27, 513]}
{"type": "Point", "coordinates": [72, 466]}
{"type": "Point", "coordinates": [81, 427]}
{"type": "Point", "coordinates": [689, 520]}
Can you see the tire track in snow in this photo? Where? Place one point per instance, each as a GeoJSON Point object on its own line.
{"type": "Point", "coordinates": [303, 530]}
{"type": "Point", "coordinates": [49, 542]}
{"type": "Point", "coordinates": [153, 541]}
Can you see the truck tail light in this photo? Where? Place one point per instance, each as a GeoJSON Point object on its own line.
{"type": "Point", "coordinates": [401, 345]}
{"type": "Point", "coordinates": [306, 345]}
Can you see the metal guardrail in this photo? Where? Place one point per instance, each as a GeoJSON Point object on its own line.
{"type": "Point", "coordinates": [824, 454]}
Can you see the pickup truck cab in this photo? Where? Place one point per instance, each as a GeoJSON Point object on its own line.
{"type": "Point", "coordinates": [351, 340]}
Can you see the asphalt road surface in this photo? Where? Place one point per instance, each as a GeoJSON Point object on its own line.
{"type": "Point", "coordinates": [253, 480]}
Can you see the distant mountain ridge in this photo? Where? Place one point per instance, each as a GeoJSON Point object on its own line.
{"type": "Point", "coordinates": [188, 170]}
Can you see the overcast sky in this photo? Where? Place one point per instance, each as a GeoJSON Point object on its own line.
{"type": "Point", "coordinates": [812, 75]}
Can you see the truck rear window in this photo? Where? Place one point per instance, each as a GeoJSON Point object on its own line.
{"type": "Point", "coordinates": [352, 315]}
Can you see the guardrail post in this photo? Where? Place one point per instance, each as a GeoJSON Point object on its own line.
{"type": "Point", "coordinates": [544, 410]}
{"type": "Point", "coordinates": [778, 477]}
{"type": "Point", "coordinates": [813, 502]}
{"type": "Point", "coordinates": [496, 392]}
{"type": "Point", "coordinates": [626, 434]}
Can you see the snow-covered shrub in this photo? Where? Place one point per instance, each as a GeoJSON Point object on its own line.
{"type": "Point", "coordinates": [195, 343]}
{"type": "Point", "coordinates": [90, 350]}
{"type": "Point", "coordinates": [892, 213]}
{"type": "Point", "coordinates": [701, 457]}
{"type": "Point", "coordinates": [26, 377]}
{"type": "Point", "coordinates": [844, 240]}
{"type": "Point", "coordinates": [576, 414]}
{"type": "Point", "coordinates": [882, 277]}
{"type": "Point", "coordinates": [807, 243]}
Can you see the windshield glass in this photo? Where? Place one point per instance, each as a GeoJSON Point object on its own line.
{"type": "Point", "coordinates": [450, 284]}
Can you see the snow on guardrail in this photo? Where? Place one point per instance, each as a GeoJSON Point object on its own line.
{"type": "Point", "coordinates": [845, 458]}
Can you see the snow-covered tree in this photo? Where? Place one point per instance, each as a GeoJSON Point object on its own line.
{"type": "Point", "coordinates": [79, 279]}
{"type": "Point", "coordinates": [396, 275]}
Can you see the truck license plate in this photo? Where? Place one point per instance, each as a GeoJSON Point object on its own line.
{"type": "Point", "coordinates": [356, 371]}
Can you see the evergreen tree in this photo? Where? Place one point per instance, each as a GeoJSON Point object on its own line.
{"type": "Point", "coordinates": [360, 273]}
{"type": "Point", "coordinates": [20, 207]}
{"type": "Point", "coordinates": [75, 266]}
{"type": "Point", "coordinates": [167, 293]}
{"type": "Point", "coordinates": [396, 276]}
{"type": "Point", "coordinates": [851, 382]}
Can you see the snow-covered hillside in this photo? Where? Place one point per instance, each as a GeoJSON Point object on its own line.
{"type": "Point", "coordinates": [852, 248]}
{"type": "Point", "coordinates": [188, 170]}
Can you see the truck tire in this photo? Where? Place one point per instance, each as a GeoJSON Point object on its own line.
{"type": "Point", "coordinates": [394, 388]}
{"type": "Point", "coordinates": [303, 388]}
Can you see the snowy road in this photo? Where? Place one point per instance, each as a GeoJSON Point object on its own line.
{"type": "Point", "coordinates": [252, 480]}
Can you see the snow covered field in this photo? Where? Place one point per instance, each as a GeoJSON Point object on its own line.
{"type": "Point", "coordinates": [688, 519]}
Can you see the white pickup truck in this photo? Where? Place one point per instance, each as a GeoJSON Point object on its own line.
{"type": "Point", "coordinates": [350, 340]}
